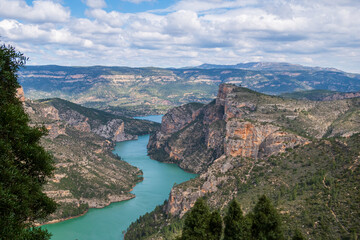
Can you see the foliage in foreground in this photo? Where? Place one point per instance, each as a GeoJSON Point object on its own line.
{"type": "Point", "coordinates": [24, 164]}
{"type": "Point", "coordinates": [263, 223]}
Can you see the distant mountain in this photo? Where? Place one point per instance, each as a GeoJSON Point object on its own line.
{"type": "Point", "coordinates": [144, 91]}
{"type": "Point", "coordinates": [267, 66]}
{"type": "Point", "coordinates": [320, 95]}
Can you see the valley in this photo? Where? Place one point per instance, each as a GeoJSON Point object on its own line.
{"type": "Point", "coordinates": [301, 153]}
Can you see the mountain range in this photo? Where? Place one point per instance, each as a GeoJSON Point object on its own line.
{"type": "Point", "coordinates": [144, 91]}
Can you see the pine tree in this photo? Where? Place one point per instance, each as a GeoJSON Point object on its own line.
{"type": "Point", "coordinates": [236, 225]}
{"type": "Point", "coordinates": [266, 223]}
{"type": "Point", "coordinates": [215, 226]}
{"type": "Point", "coordinates": [24, 164]}
{"type": "Point", "coordinates": [197, 222]}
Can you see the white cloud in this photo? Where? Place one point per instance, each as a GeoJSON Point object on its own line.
{"type": "Point", "coordinates": [220, 31]}
{"type": "Point", "coordinates": [41, 11]}
{"type": "Point", "coordinates": [182, 22]}
{"type": "Point", "coordinates": [95, 3]}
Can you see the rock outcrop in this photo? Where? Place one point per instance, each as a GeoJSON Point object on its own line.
{"type": "Point", "coordinates": [109, 126]}
{"type": "Point", "coordinates": [246, 139]}
{"type": "Point", "coordinates": [193, 137]}
{"type": "Point", "coordinates": [87, 174]}
{"type": "Point", "coordinates": [236, 131]}
{"type": "Point", "coordinates": [193, 142]}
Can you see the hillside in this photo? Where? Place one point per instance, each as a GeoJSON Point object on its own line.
{"type": "Point", "coordinates": [267, 66]}
{"type": "Point", "coordinates": [320, 95]}
{"type": "Point", "coordinates": [87, 174]}
{"type": "Point", "coordinates": [144, 91]}
{"type": "Point", "coordinates": [245, 123]}
{"type": "Point", "coordinates": [303, 154]}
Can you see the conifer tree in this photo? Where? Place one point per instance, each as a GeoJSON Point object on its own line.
{"type": "Point", "coordinates": [24, 164]}
{"type": "Point", "coordinates": [215, 226]}
{"type": "Point", "coordinates": [266, 222]}
{"type": "Point", "coordinates": [236, 225]}
{"type": "Point", "coordinates": [197, 222]}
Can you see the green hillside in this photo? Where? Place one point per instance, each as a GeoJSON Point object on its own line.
{"type": "Point", "coordinates": [315, 188]}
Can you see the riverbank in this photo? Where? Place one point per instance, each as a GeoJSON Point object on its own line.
{"type": "Point", "coordinates": [96, 205]}
{"type": "Point", "coordinates": [108, 223]}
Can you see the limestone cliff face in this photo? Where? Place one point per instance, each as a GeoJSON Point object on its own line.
{"type": "Point", "coordinates": [210, 183]}
{"type": "Point", "coordinates": [192, 142]}
{"type": "Point", "coordinates": [177, 118]}
{"type": "Point", "coordinates": [194, 137]}
{"type": "Point", "coordinates": [113, 130]}
{"type": "Point", "coordinates": [238, 129]}
{"type": "Point", "coordinates": [246, 139]}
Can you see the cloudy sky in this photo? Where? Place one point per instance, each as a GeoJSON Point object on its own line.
{"type": "Point", "coordinates": [178, 33]}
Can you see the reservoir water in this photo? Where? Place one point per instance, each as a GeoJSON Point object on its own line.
{"type": "Point", "coordinates": [109, 223]}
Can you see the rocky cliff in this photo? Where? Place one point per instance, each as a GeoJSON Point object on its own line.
{"type": "Point", "coordinates": [240, 128]}
{"type": "Point", "coordinates": [189, 136]}
{"type": "Point", "coordinates": [235, 124]}
{"type": "Point", "coordinates": [302, 154]}
{"type": "Point", "coordinates": [87, 174]}
{"type": "Point", "coordinates": [107, 125]}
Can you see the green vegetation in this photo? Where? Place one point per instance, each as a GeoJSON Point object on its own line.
{"type": "Point", "coordinates": [315, 188]}
{"type": "Point", "coordinates": [24, 164]}
{"type": "Point", "coordinates": [149, 225]}
{"type": "Point", "coordinates": [313, 95]}
{"type": "Point", "coordinates": [237, 227]}
{"type": "Point", "coordinates": [266, 223]}
{"type": "Point", "coordinates": [263, 223]}
{"type": "Point", "coordinates": [201, 224]}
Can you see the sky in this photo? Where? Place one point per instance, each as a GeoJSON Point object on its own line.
{"type": "Point", "coordinates": [180, 33]}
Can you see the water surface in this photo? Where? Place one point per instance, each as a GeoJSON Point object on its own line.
{"type": "Point", "coordinates": [110, 222]}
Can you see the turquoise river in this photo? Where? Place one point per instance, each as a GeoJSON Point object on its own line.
{"type": "Point", "coordinates": [109, 223]}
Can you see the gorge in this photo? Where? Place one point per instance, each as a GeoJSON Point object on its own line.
{"type": "Point", "coordinates": [111, 221]}
{"type": "Point", "coordinates": [303, 154]}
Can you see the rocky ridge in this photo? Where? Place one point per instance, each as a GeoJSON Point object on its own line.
{"type": "Point", "coordinates": [265, 144]}
{"type": "Point", "coordinates": [250, 126]}
{"type": "Point", "coordinates": [87, 174]}
{"type": "Point", "coordinates": [320, 95]}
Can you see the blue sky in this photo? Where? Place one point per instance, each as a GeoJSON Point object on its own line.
{"type": "Point", "coordinates": [178, 33]}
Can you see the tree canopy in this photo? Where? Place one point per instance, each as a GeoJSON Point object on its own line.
{"type": "Point", "coordinates": [237, 227]}
{"type": "Point", "coordinates": [201, 224]}
{"type": "Point", "coordinates": [24, 164]}
{"type": "Point", "coordinates": [266, 222]}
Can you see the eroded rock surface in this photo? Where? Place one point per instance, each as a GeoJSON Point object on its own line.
{"type": "Point", "coordinates": [236, 131]}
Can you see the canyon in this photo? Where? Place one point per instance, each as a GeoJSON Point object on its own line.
{"type": "Point", "coordinates": [245, 143]}
{"type": "Point", "coordinates": [88, 174]}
